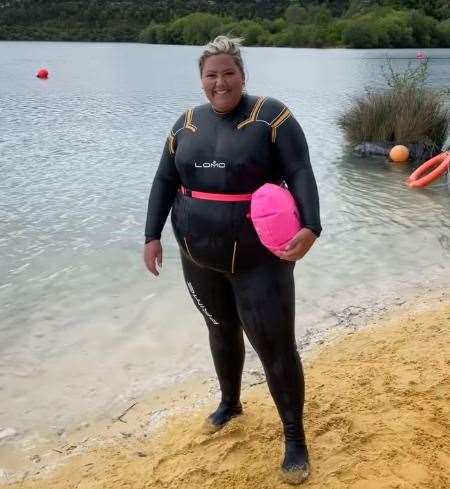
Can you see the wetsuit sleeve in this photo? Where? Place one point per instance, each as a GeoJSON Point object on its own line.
{"type": "Point", "coordinates": [292, 155]}
{"type": "Point", "coordinates": [163, 192]}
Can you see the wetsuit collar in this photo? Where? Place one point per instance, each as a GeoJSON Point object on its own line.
{"type": "Point", "coordinates": [224, 115]}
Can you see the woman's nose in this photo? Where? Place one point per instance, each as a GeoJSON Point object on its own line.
{"type": "Point", "coordinates": [220, 81]}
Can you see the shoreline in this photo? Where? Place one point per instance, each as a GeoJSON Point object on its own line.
{"type": "Point", "coordinates": [140, 423]}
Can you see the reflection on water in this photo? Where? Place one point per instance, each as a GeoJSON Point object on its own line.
{"type": "Point", "coordinates": [83, 326]}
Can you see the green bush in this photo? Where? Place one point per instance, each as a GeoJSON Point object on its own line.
{"type": "Point", "coordinates": [295, 14]}
{"type": "Point", "coordinates": [334, 32]}
{"type": "Point", "coordinates": [282, 38]}
{"type": "Point", "coordinates": [155, 34]}
{"type": "Point", "coordinates": [196, 28]}
{"type": "Point", "coordinates": [394, 31]}
{"type": "Point", "coordinates": [319, 15]}
{"type": "Point", "coordinates": [296, 36]}
{"type": "Point", "coordinates": [442, 11]}
{"type": "Point", "coordinates": [360, 34]}
{"type": "Point", "coordinates": [443, 30]}
{"type": "Point", "coordinates": [371, 26]}
{"type": "Point", "coordinates": [424, 29]}
{"type": "Point", "coordinates": [252, 32]}
{"type": "Point", "coordinates": [274, 26]}
{"type": "Point", "coordinates": [387, 27]}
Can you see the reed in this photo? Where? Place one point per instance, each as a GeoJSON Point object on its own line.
{"type": "Point", "coordinates": [407, 111]}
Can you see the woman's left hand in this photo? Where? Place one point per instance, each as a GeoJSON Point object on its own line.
{"type": "Point", "coordinates": [299, 245]}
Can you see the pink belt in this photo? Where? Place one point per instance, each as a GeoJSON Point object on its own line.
{"type": "Point", "coordinates": [212, 196]}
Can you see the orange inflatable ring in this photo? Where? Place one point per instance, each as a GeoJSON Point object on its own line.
{"type": "Point", "coordinates": [423, 177]}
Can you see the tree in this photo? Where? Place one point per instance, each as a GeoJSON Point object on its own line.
{"type": "Point", "coordinates": [148, 35]}
{"type": "Point", "coordinates": [442, 10]}
{"type": "Point", "coordinates": [198, 28]}
{"type": "Point", "coordinates": [443, 30]}
{"type": "Point", "coordinates": [252, 32]}
{"type": "Point", "coordinates": [295, 14]}
{"type": "Point", "coordinates": [394, 31]}
{"type": "Point", "coordinates": [360, 34]}
{"type": "Point", "coordinates": [424, 29]}
{"type": "Point", "coordinates": [274, 26]}
{"type": "Point", "coordinates": [358, 7]}
{"type": "Point", "coordinates": [319, 14]}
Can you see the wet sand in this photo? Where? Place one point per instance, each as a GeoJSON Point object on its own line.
{"type": "Point", "coordinates": [377, 416]}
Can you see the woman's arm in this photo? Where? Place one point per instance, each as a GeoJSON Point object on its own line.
{"type": "Point", "coordinates": [162, 195]}
{"type": "Point", "coordinates": [163, 192]}
{"type": "Point", "coordinates": [292, 155]}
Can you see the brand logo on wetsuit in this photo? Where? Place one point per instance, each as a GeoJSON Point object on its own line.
{"type": "Point", "coordinates": [213, 164]}
{"type": "Point", "coordinates": [200, 304]}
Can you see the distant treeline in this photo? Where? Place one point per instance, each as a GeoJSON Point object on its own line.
{"type": "Point", "coordinates": [349, 23]}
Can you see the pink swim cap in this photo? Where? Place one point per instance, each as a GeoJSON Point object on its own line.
{"type": "Point", "coordinates": [275, 216]}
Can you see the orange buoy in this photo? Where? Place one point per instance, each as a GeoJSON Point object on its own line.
{"type": "Point", "coordinates": [42, 73]}
{"type": "Point", "coordinates": [399, 154]}
{"type": "Point", "coordinates": [438, 165]}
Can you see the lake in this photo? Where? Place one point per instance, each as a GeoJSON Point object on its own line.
{"type": "Point", "coordinates": [84, 327]}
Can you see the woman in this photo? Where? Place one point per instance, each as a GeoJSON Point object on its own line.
{"type": "Point", "coordinates": [215, 156]}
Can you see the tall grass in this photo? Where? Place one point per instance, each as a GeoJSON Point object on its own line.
{"type": "Point", "coordinates": [406, 112]}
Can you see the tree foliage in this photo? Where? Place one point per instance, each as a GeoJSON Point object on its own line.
{"type": "Point", "coordinates": [348, 23]}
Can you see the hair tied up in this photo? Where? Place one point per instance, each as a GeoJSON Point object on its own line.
{"type": "Point", "coordinates": [223, 45]}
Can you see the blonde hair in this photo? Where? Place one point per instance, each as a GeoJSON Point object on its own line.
{"type": "Point", "coordinates": [223, 45]}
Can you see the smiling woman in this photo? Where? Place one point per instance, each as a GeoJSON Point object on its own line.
{"type": "Point", "coordinates": [226, 149]}
{"type": "Point", "coordinates": [223, 81]}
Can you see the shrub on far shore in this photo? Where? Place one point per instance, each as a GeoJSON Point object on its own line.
{"type": "Point", "coordinates": [443, 29]}
{"type": "Point", "coordinates": [407, 112]}
{"type": "Point", "coordinates": [311, 26]}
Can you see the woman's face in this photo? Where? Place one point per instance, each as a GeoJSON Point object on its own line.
{"type": "Point", "coordinates": [222, 82]}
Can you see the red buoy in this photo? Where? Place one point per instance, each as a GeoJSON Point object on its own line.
{"type": "Point", "coordinates": [42, 73]}
{"type": "Point", "coordinates": [421, 55]}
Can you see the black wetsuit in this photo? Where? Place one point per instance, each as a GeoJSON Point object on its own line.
{"type": "Point", "coordinates": [234, 281]}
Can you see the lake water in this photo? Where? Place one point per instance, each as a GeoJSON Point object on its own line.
{"type": "Point", "coordinates": [83, 326]}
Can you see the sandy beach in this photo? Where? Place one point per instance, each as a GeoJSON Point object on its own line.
{"type": "Point", "coordinates": [377, 416]}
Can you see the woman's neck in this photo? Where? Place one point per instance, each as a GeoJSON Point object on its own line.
{"type": "Point", "coordinates": [229, 111]}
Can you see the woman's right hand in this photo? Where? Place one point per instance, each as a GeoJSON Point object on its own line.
{"type": "Point", "coordinates": [153, 256]}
